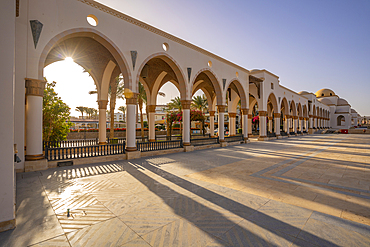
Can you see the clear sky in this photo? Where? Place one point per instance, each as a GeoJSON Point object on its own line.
{"type": "Point", "coordinates": [309, 44]}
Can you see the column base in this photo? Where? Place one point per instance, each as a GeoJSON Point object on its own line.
{"type": "Point", "coordinates": [35, 165]}
{"type": "Point", "coordinates": [34, 157]}
{"type": "Point", "coordinates": [246, 140]}
{"type": "Point", "coordinates": [102, 143]}
{"type": "Point", "coordinates": [131, 149]}
{"type": "Point", "coordinates": [223, 144]}
{"type": "Point", "coordinates": [263, 138]}
{"type": "Point", "coordinates": [7, 225]}
{"type": "Point", "coordinates": [279, 137]}
{"type": "Point", "coordinates": [186, 143]}
{"type": "Point", "coordinates": [151, 140]}
{"type": "Point", "coordinates": [133, 154]}
{"type": "Point", "coordinates": [188, 148]}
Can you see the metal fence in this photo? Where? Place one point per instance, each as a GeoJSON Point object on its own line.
{"type": "Point", "coordinates": [158, 145]}
{"type": "Point", "coordinates": [234, 138]}
{"type": "Point", "coordinates": [64, 153]}
{"type": "Point", "coordinates": [70, 143]}
{"type": "Point", "coordinates": [283, 133]}
{"type": "Point", "coordinates": [204, 141]}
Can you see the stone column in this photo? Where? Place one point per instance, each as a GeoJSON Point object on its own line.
{"type": "Point", "coordinates": [262, 115]}
{"type": "Point", "coordinates": [286, 124]}
{"type": "Point", "coordinates": [277, 124]}
{"type": "Point", "coordinates": [131, 123]}
{"type": "Point", "coordinates": [310, 124]}
{"type": "Point", "coordinates": [301, 124]}
{"type": "Point", "coordinates": [250, 116]}
{"type": "Point", "coordinates": [221, 121]}
{"type": "Point", "coordinates": [102, 121]}
{"type": "Point", "coordinates": [151, 122]}
{"type": "Point", "coordinates": [245, 124]}
{"type": "Point", "coordinates": [34, 93]}
{"type": "Point", "coordinates": [212, 123]}
{"type": "Point", "coordinates": [186, 122]}
{"type": "Point", "coordinates": [270, 124]}
{"type": "Point", "coordinates": [295, 124]}
{"type": "Point", "coordinates": [232, 123]}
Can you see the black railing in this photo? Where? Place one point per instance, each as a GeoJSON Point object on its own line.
{"type": "Point", "coordinates": [269, 134]}
{"type": "Point", "coordinates": [205, 141]}
{"type": "Point", "coordinates": [299, 132]}
{"type": "Point", "coordinates": [283, 133]}
{"type": "Point", "coordinates": [234, 138]}
{"type": "Point", "coordinates": [64, 153]}
{"type": "Point", "coordinates": [160, 145]}
{"type": "Point", "coordinates": [305, 132]}
{"type": "Point", "coordinates": [292, 133]}
{"type": "Point", "coordinates": [70, 143]}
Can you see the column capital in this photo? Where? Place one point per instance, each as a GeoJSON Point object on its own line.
{"type": "Point", "coordinates": [186, 104]}
{"type": "Point", "coordinates": [310, 116]}
{"type": "Point", "coordinates": [295, 117]}
{"type": "Point", "coordinates": [244, 111]}
{"type": "Point", "coordinates": [35, 87]}
{"type": "Point", "coordinates": [232, 115]}
{"type": "Point", "coordinates": [151, 108]}
{"type": "Point", "coordinates": [277, 115]}
{"type": "Point", "coordinates": [250, 116]}
{"type": "Point", "coordinates": [212, 113]}
{"type": "Point", "coordinates": [288, 116]}
{"type": "Point", "coordinates": [270, 118]}
{"type": "Point", "coordinates": [301, 118]}
{"type": "Point", "coordinates": [221, 108]}
{"type": "Point", "coordinates": [262, 113]}
{"type": "Point", "coordinates": [103, 104]}
{"type": "Point", "coordinates": [132, 99]}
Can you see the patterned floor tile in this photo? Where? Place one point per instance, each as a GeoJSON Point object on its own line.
{"type": "Point", "coordinates": [99, 185]}
{"type": "Point", "coordinates": [110, 194]}
{"type": "Point", "coordinates": [80, 218]}
{"type": "Point", "coordinates": [61, 205]}
{"type": "Point", "coordinates": [147, 219]}
{"type": "Point", "coordinates": [126, 204]}
{"type": "Point", "coordinates": [325, 234]}
{"type": "Point", "coordinates": [250, 234]}
{"type": "Point", "coordinates": [178, 233]}
{"type": "Point", "coordinates": [107, 233]}
{"type": "Point", "coordinates": [60, 241]}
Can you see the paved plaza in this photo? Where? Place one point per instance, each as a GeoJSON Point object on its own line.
{"type": "Point", "coordinates": [301, 191]}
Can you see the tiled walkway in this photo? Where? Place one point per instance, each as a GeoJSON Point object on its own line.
{"type": "Point", "coordinates": [301, 191]}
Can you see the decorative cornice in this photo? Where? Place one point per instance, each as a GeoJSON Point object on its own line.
{"type": "Point", "coordinates": [221, 108]}
{"type": "Point", "coordinates": [35, 87]}
{"type": "Point", "coordinates": [151, 108]}
{"type": "Point", "coordinates": [103, 104]}
{"type": "Point", "coordinates": [186, 104]}
{"type": "Point", "coordinates": [157, 31]}
{"type": "Point", "coordinates": [132, 100]}
{"type": "Point", "coordinates": [245, 111]}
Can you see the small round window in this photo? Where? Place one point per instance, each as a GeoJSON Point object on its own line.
{"type": "Point", "coordinates": [92, 20]}
{"type": "Point", "coordinates": [165, 46]}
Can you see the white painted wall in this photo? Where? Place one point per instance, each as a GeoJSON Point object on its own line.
{"type": "Point", "coordinates": [7, 41]}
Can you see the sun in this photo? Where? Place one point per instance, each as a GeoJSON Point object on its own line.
{"type": "Point", "coordinates": [68, 59]}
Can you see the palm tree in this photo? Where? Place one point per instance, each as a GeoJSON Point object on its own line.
{"type": "Point", "coordinates": [81, 109]}
{"type": "Point", "coordinates": [123, 110]}
{"type": "Point", "coordinates": [141, 99]}
{"type": "Point", "coordinates": [116, 89]}
{"type": "Point", "coordinates": [200, 103]}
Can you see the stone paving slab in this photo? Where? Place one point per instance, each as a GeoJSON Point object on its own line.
{"type": "Point", "coordinates": [300, 191]}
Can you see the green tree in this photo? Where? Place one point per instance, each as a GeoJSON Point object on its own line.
{"type": "Point", "coordinates": [56, 115]}
{"type": "Point", "coordinates": [200, 103]}
{"type": "Point", "coordinates": [174, 104]}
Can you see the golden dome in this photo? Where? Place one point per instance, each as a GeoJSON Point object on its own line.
{"type": "Point", "coordinates": [324, 93]}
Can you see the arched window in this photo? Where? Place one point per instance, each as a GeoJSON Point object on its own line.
{"type": "Point", "coordinates": [340, 119]}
